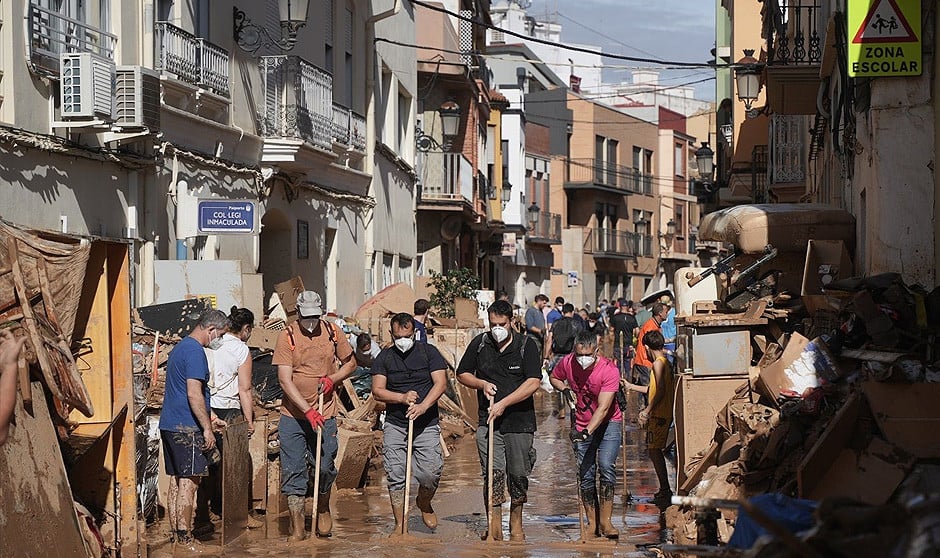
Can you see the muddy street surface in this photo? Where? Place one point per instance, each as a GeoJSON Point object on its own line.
{"type": "Point", "coordinates": [363, 519]}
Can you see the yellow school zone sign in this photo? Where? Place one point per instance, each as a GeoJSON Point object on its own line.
{"type": "Point", "coordinates": [884, 38]}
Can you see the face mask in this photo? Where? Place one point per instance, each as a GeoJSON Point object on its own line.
{"type": "Point", "coordinates": [404, 344]}
{"type": "Point", "coordinates": [311, 324]}
{"type": "Point", "coordinates": [215, 344]}
{"type": "Point", "coordinates": [586, 361]}
{"type": "Point", "coordinates": [499, 333]}
{"type": "Point", "coordinates": [592, 324]}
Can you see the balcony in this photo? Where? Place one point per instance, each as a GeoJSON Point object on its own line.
{"type": "Point", "coordinates": [51, 34]}
{"type": "Point", "coordinates": [606, 177]}
{"type": "Point", "coordinates": [191, 59]}
{"type": "Point", "coordinates": [446, 182]}
{"type": "Point", "coordinates": [349, 128]}
{"type": "Point", "coordinates": [794, 54]}
{"type": "Point", "coordinates": [298, 101]}
{"type": "Point", "coordinates": [611, 243]}
{"type": "Point", "coordinates": [547, 229]}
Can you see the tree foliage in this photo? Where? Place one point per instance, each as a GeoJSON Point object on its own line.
{"type": "Point", "coordinates": [453, 284]}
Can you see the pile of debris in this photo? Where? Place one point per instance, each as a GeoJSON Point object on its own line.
{"type": "Point", "coordinates": [841, 410]}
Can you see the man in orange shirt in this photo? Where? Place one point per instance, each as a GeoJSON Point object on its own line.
{"type": "Point", "coordinates": [642, 363]}
{"type": "Point", "coordinates": [312, 355]}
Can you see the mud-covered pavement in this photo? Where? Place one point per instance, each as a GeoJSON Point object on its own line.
{"type": "Point", "coordinates": [363, 519]}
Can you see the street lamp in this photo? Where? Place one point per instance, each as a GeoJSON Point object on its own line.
{"type": "Point", "coordinates": [704, 160]}
{"type": "Point", "coordinates": [506, 193]}
{"type": "Point", "coordinates": [747, 75]}
{"type": "Point", "coordinates": [450, 124]}
{"type": "Point", "coordinates": [533, 214]}
{"type": "Point", "coordinates": [670, 230]}
{"type": "Point", "coordinates": [250, 36]}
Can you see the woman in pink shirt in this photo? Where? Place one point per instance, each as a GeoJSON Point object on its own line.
{"type": "Point", "coordinates": [594, 381]}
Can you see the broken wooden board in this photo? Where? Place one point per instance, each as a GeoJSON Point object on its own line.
{"type": "Point", "coordinates": [870, 476]}
{"type": "Point", "coordinates": [355, 449]}
{"type": "Point", "coordinates": [36, 510]}
{"type": "Point", "coordinates": [258, 450]}
{"type": "Point", "coordinates": [173, 318]}
{"type": "Point", "coordinates": [819, 459]}
{"type": "Point", "coordinates": [287, 292]}
{"type": "Point", "coordinates": [698, 401]}
{"type": "Point", "coordinates": [236, 474]}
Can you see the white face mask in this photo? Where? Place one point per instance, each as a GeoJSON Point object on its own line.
{"type": "Point", "coordinates": [586, 361]}
{"type": "Point", "coordinates": [404, 344]}
{"type": "Point", "coordinates": [499, 334]}
{"type": "Point", "coordinates": [592, 324]}
{"type": "Point", "coordinates": [215, 344]}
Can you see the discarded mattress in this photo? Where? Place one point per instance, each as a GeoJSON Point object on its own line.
{"type": "Point", "coordinates": [787, 226]}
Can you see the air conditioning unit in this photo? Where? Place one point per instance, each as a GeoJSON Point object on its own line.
{"type": "Point", "coordinates": [137, 98]}
{"type": "Point", "coordinates": [85, 85]}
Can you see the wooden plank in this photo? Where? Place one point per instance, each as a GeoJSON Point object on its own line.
{"type": "Point", "coordinates": [236, 473]}
{"type": "Point", "coordinates": [820, 458]}
{"type": "Point", "coordinates": [355, 448]}
{"type": "Point", "coordinates": [37, 516]}
{"type": "Point", "coordinates": [26, 391]}
{"type": "Point", "coordinates": [351, 392]}
{"type": "Point", "coordinates": [258, 450]}
{"type": "Point", "coordinates": [98, 330]}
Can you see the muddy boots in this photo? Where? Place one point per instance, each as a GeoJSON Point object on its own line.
{"type": "Point", "coordinates": [589, 501]}
{"type": "Point", "coordinates": [297, 530]}
{"type": "Point", "coordinates": [495, 528]}
{"type": "Point", "coordinates": [606, 500]}
{"type": "Point", "coordinates": [515, 522]}
{"type": "Point", "coordinates": [324, 524]}
{"type": "Point", "coordinates": [423, 502]}
{"type": "Point", "coordinates": [397, 497]}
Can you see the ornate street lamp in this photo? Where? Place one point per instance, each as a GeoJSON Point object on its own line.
{"type": "Point", "coordinates": [506, 193]}
{"type": "Point", "coordinates": [704, 160]}
{"type": "Point", "coordinates": [250, 36]}
{"type": "Point", "coordinates": [450, 124]}
{"type": "Point", "coordinates": [533, 215]}
{"type": "Point", "coordinates": [747, 75]}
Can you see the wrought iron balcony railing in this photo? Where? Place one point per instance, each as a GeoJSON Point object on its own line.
{"type": "Point", "coordinates": [793, 38]}
{"type": "Point", "coordinates": [298, 100]}
{"type": "Point", "coordinates": [606, 175]}
{"type": "Point", "coordinates": [611, 242]}
{"type": "Point", "coordinates": [446, 177]}
{"type": "Point", "coordinates": [349, 128]}
{"type": "Point", "coordinates": [51, 34]}
{"type": "Point", "coordinates": [547, 228]}
{"type": "Point", "coordinates": [191, 59]}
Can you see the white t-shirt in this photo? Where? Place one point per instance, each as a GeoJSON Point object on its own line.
{"type": "Point", "coordinates": [223, 372]}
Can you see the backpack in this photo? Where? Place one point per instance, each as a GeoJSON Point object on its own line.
{"type": "Point", "coordinates": [563, 334]}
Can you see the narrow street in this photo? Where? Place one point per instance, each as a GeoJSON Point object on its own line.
{"type": "Point", "coordinates": [363, 518]}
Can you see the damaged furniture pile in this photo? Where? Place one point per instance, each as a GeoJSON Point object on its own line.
{"type": "Point", "coordinates": [823, 435]}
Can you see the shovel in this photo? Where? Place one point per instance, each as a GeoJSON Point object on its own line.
{"type": "Point", "coordinates": [404, 514]}
{"type": "Point", "coordinates": [489, 477]}
{"type": "Point", "coordinates": [623, 429]}
{"type": "Point", "coordinates": [316, 479]}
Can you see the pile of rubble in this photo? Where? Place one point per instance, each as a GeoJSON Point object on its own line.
{"type": "Point", "coordinates": [840, 410]}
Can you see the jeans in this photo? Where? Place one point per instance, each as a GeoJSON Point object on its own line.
{"type": "Point", "coordinates": [298, 450]}
{"type": "Point", "coordinates": [427, 461]}
{"type": "Point", "coordinates": [599, 455]}
{"type": "Point", "coordinates": [513, 459]}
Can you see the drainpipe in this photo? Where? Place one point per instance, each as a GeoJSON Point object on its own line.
{"type": "Point", "coordinates": [369, 217]}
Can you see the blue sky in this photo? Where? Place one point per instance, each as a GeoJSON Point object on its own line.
{"type": "Point", "coordinates": [680, 30]}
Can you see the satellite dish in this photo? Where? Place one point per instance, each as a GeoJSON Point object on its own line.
{"type": "Point", "coordinates": [450, 227]}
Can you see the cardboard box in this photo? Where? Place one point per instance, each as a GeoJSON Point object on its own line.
{"type": "Point", "coordinates": [804, 364]}
{"type": "Point", "coordinates": [826, 261]}
{"type": "Point", "coordinates": [870, 476]}
{"type": "Point", "coordinates": [907, 415]}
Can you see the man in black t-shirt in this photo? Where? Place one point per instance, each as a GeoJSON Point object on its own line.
{"type": "Point", "coordinates": [409, 378]}
{"type": "Point", "coordinates": [506, 367]}
{"type": "Point", "coordinates": [624, 325]}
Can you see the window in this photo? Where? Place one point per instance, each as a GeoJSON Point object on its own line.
{"type": "Point", "coordinates": [328, 64]}
{"type": "Point", "coordinates": [680, 220]}
{"type": "Point", "coordinates": [384, 120]}
{"type": "Point", "coordinates": [348, 60]}
{"type": "Point", "coordinates": [605, 160]}
{"type": "Point", "coordinates": [404, 270]}
{"type": "Point", "coordinates": [404, 122]}
{"type": "Point", "coordinates": [680, 160]}
{"type": "Point", "coordinates": [504, 146]}
{"type": "Point", "coordinates": [637, 158]}
{"type": "Point", "coordinates": [387, 277]}
{"type": "Point", "coordinates": [164, 10]}
{"type": "Point", "coordinates": [201, 23]}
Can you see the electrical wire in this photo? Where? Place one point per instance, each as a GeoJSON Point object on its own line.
{"type": "Point", "coordinates": [563, 46]}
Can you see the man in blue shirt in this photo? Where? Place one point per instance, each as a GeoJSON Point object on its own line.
{"type": "Point", "coordinates": [409, 378]}
{"type": "Point", "coordinates": [556, 312]}
{"type": "Point", "coordinates": [422, 307]}
{"type": "Point", "coordinates": [669, 329]}
{"type": "Point", "coordinates": [186, 424]}
{"type": "Point", "coordinates": [535, 320]}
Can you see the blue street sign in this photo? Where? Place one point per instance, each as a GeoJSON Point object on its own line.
{"type": "Point", "coordinates": [226, 216]}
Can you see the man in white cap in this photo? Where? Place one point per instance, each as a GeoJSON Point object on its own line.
{"type": "Point", "coordinates": [312, 355]}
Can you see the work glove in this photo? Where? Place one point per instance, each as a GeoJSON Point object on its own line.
{"type": "Point", "coordinates": [568, 398]}
{"type": "Point", "coordinates": [579, 435]}
{"type": "Point", "coordinates": [314, 417]}
{"type": "Point", "coordinates": [326, 386]}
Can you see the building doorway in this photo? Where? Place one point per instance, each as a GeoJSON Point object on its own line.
{"type": "Point", "coordinates": [275, 250]}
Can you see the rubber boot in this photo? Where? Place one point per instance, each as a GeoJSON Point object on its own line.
{"type": "Point", "coordinates": [515, 522]}
{"type": "Point", "coordinates": [606, 498]}
{"type": "Point", "coordinates": [297, 530]}
{"type": "Point", "coordinates": [397, 498]}
{"type": "Point", "coordinates": [324, 527]}
{"type": "Point", "coordinates": [423, 501]}
{"type": "Point", "coordinates": [496, 523]}
{"type": "Point", "coordinates": [589, 501]}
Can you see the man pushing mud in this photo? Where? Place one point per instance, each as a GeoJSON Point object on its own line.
{"type": "Point", "coordinates": [505, 368]}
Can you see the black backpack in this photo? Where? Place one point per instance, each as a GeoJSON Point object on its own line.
{"type": "Point", "coordinates": [564, 331]}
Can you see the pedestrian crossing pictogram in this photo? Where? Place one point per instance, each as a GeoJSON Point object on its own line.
{"type": "Point", "coordinates": [885, 23]}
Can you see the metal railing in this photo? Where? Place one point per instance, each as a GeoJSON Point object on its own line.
{"type": "Point", "coordinates": [446, 176]}
{"type": "Point", "coordinates": [191, 59]}
{"type": "Point", "coordinates": [298, 100]}
{"type": "Point", "coordinates": [51, 34]}
{"type": "Point", "coordinates": [605, 174]}
{"type": "Point", "coordinates": [349, 128]}
{"type": "Point", "coordinates": [759, 174]}
{"type": "Point", "coordinates": [547, 228]}
{"type": "Point", "coordinates": [794, 33]}
{"type": "Point", "coordinates": [611, 242]}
